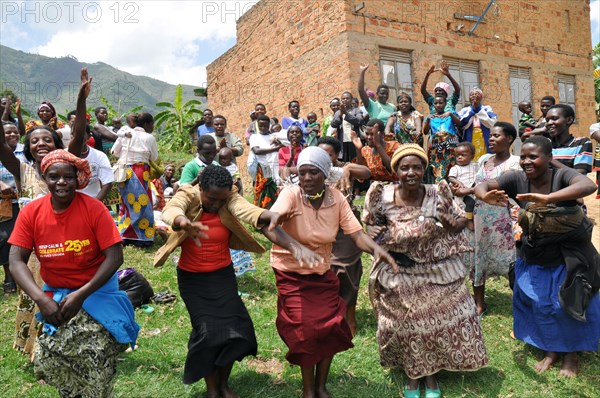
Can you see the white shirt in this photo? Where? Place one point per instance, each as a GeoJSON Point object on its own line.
{"type": "Point", "coordinates": [102, 173]}
{"type": "Point", "coordinates": [66, 135]}
{"type": "Point", "coordinates": [465, 174]}
{"type": "Point", "coordinates": [140, 148]}
{"type": "Point", "coordinates": [268, 162]}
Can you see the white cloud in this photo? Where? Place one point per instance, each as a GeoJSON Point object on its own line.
{"type": "Point", "coordinates": [161, 39]}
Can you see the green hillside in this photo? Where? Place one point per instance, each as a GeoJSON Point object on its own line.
{"type": "Point", "coordinates": [35, 78]}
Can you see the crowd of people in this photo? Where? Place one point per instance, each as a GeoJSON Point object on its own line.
{"type": "Point", "coordinates": [446, 201]}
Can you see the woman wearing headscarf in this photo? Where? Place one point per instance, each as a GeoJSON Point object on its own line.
{"type": "Point", "coordinates": [87, 319]}
{"type": "Point", "coordinates": [405, 125]}
{"type": "Point", "coordinates": [47, 115]}
{"type": "Point", "coordinates": [441, 88]}
{"type": "Point", "coordinates": [310, 311]}
{"type": "Point", "coordinates": [39, 142]}
{"type": "Point", "coordinates": [477, 120]}
{"type": "Point", "coordinates": [427, 320]}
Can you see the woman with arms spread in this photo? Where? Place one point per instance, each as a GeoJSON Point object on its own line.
{"type": "Point", "coordinates": [556, 305]}
{"type": "Point", "coordinates": [87, 320]}
{"type": "Point", "coordinates": [427, 320]}
{"type": "Point", "coordinates": [207, 225]}
{"type": "Point", "coordinates": [310, 311]}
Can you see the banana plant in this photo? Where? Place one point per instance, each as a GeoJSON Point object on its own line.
{"type": "Point", "coordinates": [175, 121]}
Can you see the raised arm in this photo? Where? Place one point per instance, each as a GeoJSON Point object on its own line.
{"type": "Point", "coordinates": [358, 145]}
{"type": "Point", "coordinates": [361, 85]}
{"type": "Point", "coordinates": [20, 123]}
{"type": "Point", "coordinates": [77, 138]}
{"type": "Point", "coordinates": [446, 72]}
{"type": "Point", "coordinates": [424, 92]}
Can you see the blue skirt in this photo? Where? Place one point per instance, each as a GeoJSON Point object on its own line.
{"type": "Point", "coordinates": [539, 319]}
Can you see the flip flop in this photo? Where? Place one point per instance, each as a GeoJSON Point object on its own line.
{"type": "Point", "coordinates": [9, 287]}
{"type": "Point", "coordinates": [163, 298]}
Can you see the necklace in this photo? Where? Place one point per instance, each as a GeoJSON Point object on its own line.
{"type": "Point", "coordinates": [315, 196]}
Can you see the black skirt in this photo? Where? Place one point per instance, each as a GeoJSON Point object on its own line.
{"type": "Point", "coordinates": [222, 331]}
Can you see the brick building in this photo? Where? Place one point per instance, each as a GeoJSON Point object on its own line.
{"type": "Point", "coordinates": [311, 50]}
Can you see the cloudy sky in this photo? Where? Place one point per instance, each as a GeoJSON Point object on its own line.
{"type": "Point", "coordinates": [170, 41]}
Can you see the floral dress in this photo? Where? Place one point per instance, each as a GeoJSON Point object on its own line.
{"type": "Point", "coordinates": [405, 130]}
{"type": "Point", "coordinates": [494, 239]}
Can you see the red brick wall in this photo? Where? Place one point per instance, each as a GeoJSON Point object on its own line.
{"type": "Point", "coordinates": [311, 51]}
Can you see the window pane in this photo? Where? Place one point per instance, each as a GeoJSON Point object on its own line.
{"type": "Point", "coordinates": [515, 115]}
{"type": "Point", "coordinates": [403, 76]}
{"type": "Point", "coordinates": [562, 93]}
{"type": "Point", "coordinates": [388, 74]}
{"type": "Point", "coordinates": [570, 93]}
{"type": "Point", "coordinates": [520, 89]}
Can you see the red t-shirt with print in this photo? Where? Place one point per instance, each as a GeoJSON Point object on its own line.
{"type": "Point", "coordinates": [68, 244]}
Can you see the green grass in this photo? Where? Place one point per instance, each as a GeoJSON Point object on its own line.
{"type": "Point", "coordinates": [156, 368]}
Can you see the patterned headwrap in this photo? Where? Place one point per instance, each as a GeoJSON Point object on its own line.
{"type": "Point", "coordinates": [317, 157]}
{"type": "Point", "coordinates": [407, 150]}
{"type": "Point", "coordinates": [444, 86]}
{"type": "Point", "coordinates": [48, 106]}
{"type": "Point", "coordinates": [370, 93]}
{"type": "Point", "coordinates": [61, 156]}
{"type": "Point", "coordinates": [476, 90]}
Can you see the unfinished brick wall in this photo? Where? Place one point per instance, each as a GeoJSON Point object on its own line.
{"type": "Point", "coordinates": [311, 51]}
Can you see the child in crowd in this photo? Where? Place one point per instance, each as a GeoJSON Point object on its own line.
{"type": "Point", "coordinates": [294, 108]}
{"type": "Point", "coordinates": [527, 122]}
{"type": "Point", "coordinates": [207, 151]}
{"type": "Point", "coordinates": [313, 130]}
{"type": "Point", "coordinates": [226, 160]}
{"type": "Point", "coordinates": [263, 163]}
{"type": "Point", "coordinates": [442, 127]}
{"type": "Point", "coordinates": [462, 177]}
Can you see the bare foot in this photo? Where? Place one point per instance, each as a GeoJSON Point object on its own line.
{"type": "Point", "coordinates": [545, 363]}
{"type": "Point", "coordinates": [570, 365]}
{"type": "Point", "coordinates": [213, 394]}
{"type": "Point", "coordinates": [322, 394]}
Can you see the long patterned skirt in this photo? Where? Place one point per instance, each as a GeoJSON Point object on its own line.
{"type": "Point", "coordinates": [441, 154]}
{"type": "Point", "coordinates": [424, 327]}
{"type": "Point", "coordinates": [80, 359]}
{"type": "Point", "coordinates": [265, 190]}
{"type": "Point", "coordinates": [136, 217]}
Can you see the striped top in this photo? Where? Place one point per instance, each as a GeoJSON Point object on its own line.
{"type": "Point", "coordinates": [576, 153]}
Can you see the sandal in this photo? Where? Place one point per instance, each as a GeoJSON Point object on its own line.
{"type": "Point", "coordinates": [9, 287]}
{"type": "Point", "coordinates": [163, 297]}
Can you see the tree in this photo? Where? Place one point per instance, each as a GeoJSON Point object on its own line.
{"type": "Point", "coordinates": [177, 119]}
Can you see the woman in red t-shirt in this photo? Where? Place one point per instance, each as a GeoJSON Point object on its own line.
{"type": "Point", "coordinates": [87, 320]}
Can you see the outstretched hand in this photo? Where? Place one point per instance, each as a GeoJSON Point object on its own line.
{"type": "Point", "coordinates": [195, 230]}
{"type": "Point", "coordinates": [535, 199]}
{"type": "Point", "coordinates": [496, 197]}
{"type": "Point", "coordinates": [382, 256]}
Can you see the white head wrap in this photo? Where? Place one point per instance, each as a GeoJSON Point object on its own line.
{"type": "Point", "coordinates": [317, 157]}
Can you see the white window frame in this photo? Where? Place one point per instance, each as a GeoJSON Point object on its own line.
{"type": "Point", "coordinates": [567, 90]}
{"type": "Point", "coordinates": [520, 89]}
{"type": "Point", "coordinates": [397, 59]}
{"type": "Point", "coordinates": [459, 69]}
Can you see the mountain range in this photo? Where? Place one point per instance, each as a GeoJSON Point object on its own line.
{"type": "Point", "coordinates": [36, 78]}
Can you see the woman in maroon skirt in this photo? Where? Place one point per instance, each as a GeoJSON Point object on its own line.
{"type": "Point", "coordinates": [310, 311]}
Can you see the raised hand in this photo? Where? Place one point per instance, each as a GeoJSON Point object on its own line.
{"type": "Point", "coordinates": [356, 140]}
{"type": "Point", "coordinates": [431, 70]}
{"type": "Point", "coordinates": [444, 68]}
{"type": "Point", "coordinates": [86, 83]}
{"type": "Point", "coordinates": [18, 106]}
{"type": "Point", "coordinates": [364, 67]}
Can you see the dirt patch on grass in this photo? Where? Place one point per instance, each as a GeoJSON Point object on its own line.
{"type": "Point", "coordinates": [270, 366]}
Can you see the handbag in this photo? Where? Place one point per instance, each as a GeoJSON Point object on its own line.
{"type": "Point", "coordinates": [120, 169]}
{"type": "Point", "coordinates": [6, 208]}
